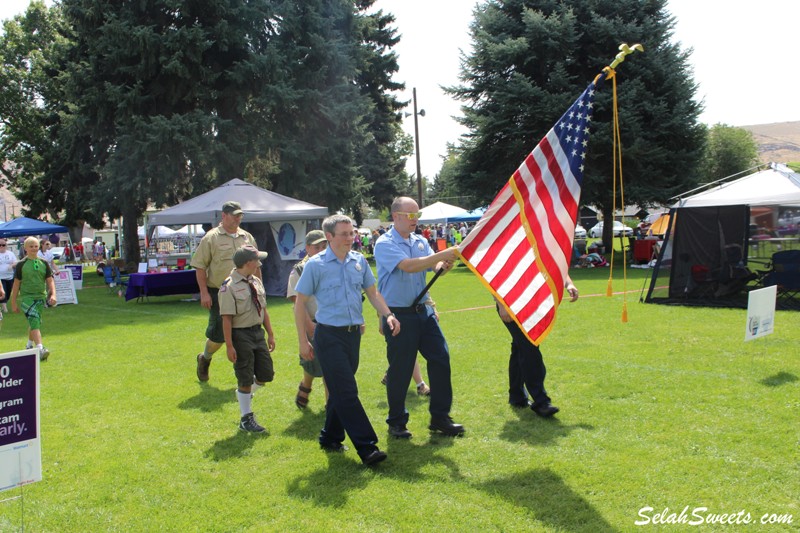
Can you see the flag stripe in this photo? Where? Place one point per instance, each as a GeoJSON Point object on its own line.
{"type": "Point", "coordinates": [522, 245]}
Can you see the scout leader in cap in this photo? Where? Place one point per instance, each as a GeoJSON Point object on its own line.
{"type": "Point", "coordinates": [243, 307]}
{"type": "Point", "coordinates": [213, 262]}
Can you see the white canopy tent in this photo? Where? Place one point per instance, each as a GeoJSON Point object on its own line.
{"type": "Point", "coordinates": [776, 185]}
{"type": "Point", "coordinates": [439, 212]}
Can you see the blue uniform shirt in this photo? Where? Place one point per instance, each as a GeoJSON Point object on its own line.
{"type": "Point", "coordinates": [337, 286]}
{"type": "Point", "coordinates": [399, 288]}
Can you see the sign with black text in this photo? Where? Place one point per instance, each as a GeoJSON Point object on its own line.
{"type": "Point", "coordinates": [65, 288]}
{"type": "Point", "coordinates": [20, 449]}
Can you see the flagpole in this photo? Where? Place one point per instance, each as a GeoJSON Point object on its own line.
{"type": "Point", "coordinates": [427, 287]}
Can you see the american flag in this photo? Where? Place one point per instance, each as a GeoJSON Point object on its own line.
{"type": "Point", "coordinates": [522, 245]}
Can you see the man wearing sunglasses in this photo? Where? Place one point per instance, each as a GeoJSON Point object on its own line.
{"type": "Point", "coordinates": [403, 258]}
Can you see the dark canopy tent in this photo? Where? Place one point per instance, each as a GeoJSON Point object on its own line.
{"type": "Point", "coordinates": [704, 255]}
{"type": "Point", "coordinates": [261, 209]}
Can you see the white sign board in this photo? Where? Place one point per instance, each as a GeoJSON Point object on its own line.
{"type": "Point", "coordinates": [65, 289]}
{"type": "Point", "coordinates": [760, 312]}
{"type": "Point", "coordinates": [20, 449]}
{"type": "Point", "coordinates": [77, 275]}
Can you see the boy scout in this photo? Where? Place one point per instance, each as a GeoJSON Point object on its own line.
{"type": "Point", "coordinates": [243, 307]}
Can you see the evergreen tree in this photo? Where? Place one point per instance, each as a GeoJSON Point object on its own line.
{"type": "Point", "coordinates": [162, 90]}
{"type": "Point", "coordinates": [532, 58]}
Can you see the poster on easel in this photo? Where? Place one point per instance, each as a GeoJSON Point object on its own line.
{"type": "Point", "coordinates": [20, 448]}
{"type": "Point", "coordinates": [65, 288]}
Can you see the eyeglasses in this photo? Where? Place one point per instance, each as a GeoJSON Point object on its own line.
{"type": "Point", "coordinates": [346, 234]}
{"type": "Point", "coordinates": [3, 244]}
{"type": "Point", "coordinates": [411, 216]}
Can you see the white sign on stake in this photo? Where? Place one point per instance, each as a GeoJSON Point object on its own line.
{"type": "Point", "coordinates": [760, 312]}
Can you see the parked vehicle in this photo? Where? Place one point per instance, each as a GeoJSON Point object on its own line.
{"type": "Point", "coordinates": [580, 232]}
{"type": "Point", "coordinates": [618, 228]}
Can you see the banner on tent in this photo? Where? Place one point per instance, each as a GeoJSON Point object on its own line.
{"type": "Point", "coordinates": [20, 450]}
{"type": "Point", "coordinates": [290, 238]}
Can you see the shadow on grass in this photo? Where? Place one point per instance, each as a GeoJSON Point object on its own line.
{"type": "Point", "coordinates": [234, 446]}
{"type": "Point", "coordinates": [331, 486]}
{"type": "Point", "coordinates": [209, 399]}
{"type": "Point", "coordinates": [409, 457]}
{"type": "Point", "coordinates": [781, 378]}
{"type": "Point", "coordinates": [538, 431]}
{"type": "Point", "coordinates": [549, 500]}
{"type": "Point", "coordinates": [306, 427]}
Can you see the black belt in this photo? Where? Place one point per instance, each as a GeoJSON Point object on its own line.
{"type": "Point", "coordinates": [348, 329]}
{"type": "Point", "coordinates": [419, 308]}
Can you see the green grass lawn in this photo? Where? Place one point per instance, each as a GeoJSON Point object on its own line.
{"type": "Point", "coordinates": [668, 410]}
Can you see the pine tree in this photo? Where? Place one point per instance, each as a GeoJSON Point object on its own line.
{"type": "Point", "coordinates": [532, 58]}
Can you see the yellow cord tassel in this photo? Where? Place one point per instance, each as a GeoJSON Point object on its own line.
{"type": "Point", "coordinates": [624, 312]}
{"type": "Point", "coordinates": [609, 291]}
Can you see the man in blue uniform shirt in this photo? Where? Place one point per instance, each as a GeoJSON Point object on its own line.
{"type": "Point", "coordinates": [336, 278]}
{"type": "Point", "coordinates": [403, 258]}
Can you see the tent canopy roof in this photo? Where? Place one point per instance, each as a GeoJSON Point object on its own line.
{"type": "Point", "coordinates": [28, 226]}
{"type": "Point", "coordinates": [439, 212]}
{"type": "Point", "coordinates": [469, 216]}
{"type": "Point", "coordinates": [259, 205]}
{"type": "Point", "coordinates": [776, 185]}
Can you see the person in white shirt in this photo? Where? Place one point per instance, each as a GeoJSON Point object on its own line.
{"type": "Point", "coordinates": [7, 261]}
{"type": "Point", "coordinates": [46, 253]}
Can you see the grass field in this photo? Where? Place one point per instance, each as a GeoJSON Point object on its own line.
{"type": "Point", "coordinates": [670, 410]}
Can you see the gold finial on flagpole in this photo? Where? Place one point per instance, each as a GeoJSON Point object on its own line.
{"type": "Point", "coordinates": [624, 51]}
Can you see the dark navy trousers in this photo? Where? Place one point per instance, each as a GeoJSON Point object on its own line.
{"type": "Point", "coordinates": [419, 332]}
{"type": "Point", "coordinates": [525, 368]}
{"type": "Point", "coordinates": [338, 353]}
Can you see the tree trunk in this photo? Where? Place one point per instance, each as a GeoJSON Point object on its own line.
{"type": "Point", "coordinates": [608, 229]}
{"type": "Point", "coordinates": [130, 236]}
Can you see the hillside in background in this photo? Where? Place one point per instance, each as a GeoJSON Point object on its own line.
{"type": "Point", "coordinates": [778, 142]}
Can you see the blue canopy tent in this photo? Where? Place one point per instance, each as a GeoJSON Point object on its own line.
{"type": "Point", "coordinates": [23, 226]}
{"type": "Point", "coordinates": [473, 215]}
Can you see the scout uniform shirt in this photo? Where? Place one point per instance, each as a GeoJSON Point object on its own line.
{"type": "Point", "coordinates": [215, 252]}
{"type": "Point", "coordinates": [237, 297]}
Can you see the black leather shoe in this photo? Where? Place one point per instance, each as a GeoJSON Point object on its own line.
{"type": "Point", "coordinates": [446, 426]}
{"type": "Point", "coordinates": [336, 447]}
{"type": "Point", "coordinates": [519, 403]}
{"type": "Point", "coordinates": [545, 410]}
{"type": "Point", "coordinates": [374, 457]}
{"type": "Point", "coordinates": [399, 432]}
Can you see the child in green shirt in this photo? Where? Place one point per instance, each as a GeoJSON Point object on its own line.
{"type": "Point", "coordinates": [33, 282]}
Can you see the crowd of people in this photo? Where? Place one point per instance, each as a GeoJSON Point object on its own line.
{"type": "Point", "coordinates": [328, 288]}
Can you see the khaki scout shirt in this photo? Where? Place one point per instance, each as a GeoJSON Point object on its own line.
{"type": "Point", "coordinates": [214, 254]}
{"type": "Point", "coordinates": [236, 299]}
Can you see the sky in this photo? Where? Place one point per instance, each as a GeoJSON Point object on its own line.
{"type": "Point", "coordinates": [743, 62]}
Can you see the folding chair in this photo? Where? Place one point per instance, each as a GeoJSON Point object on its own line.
{"type": "Point", "coordinates": [109, 278]}
{"type": "Point", "coordinates": [785, 273]}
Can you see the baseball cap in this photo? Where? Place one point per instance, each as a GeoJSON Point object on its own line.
{"type": "Point", "coordinates": [232, 208]}
{"type": "Point", "coordinates": [247, 253]}
{"type": "Point", "coordinates": [315, 236]}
